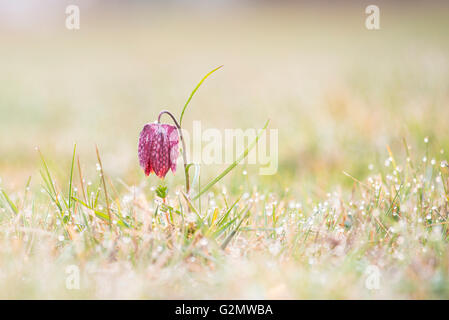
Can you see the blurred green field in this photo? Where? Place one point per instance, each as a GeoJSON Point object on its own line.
{"type": "Point", "coordinates": [337, 92]}
{"type": "Point", "coordinates": [339, 95]}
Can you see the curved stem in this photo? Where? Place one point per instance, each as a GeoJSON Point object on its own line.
{"type": "Point", "coordinates": [184, 157]}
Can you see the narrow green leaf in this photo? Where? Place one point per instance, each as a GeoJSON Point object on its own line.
{"type": "Point", "coordinates": [106, 218]}
{"type": "Point", "coordinates": [49, 179]}
{"type": "Point", "coordinates": [189, 203]}
{"type": "Point", "coordinates": [225, 216]}
{"type": "Point", "coordinates": [106, 197]}
{"type": "Point", "coordinates": [390, 209]}
{"type": "Point", "coordinates": [233, 165]}
{"type": "Point", "coordinates": [102, 215]}
{"type": "Point", "coordinates": [223, 228]}
{"type": "Point", "coordinates": [71, 176]}
{"type": "Point", "coordinates": [11, 204]}
{"type": "Point", "coordinates": [193, 92]}
{"type": "Point", "coordinates": [81, 202]}
{"type": "Point", "coordinates": [233, 233]}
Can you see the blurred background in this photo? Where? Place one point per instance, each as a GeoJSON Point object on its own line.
{"type": "Point", "coordinates": [339, 94]}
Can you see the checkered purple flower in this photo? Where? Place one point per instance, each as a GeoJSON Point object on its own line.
{"type": "Point", "coordinates": [158, 148]}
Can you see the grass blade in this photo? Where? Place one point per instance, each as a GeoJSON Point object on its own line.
{"type": "Point", "coordinates": [193, 92]}
{"type": "Point", "coordinates": [71, 176]}
{"type": "Point", "coordinates": [11, 204]}
{"type": "Point", "coordinates": [233, 165]}
{"type": "Point", "coordinates": [225, 216]}
{"type": "Point", "coordinates": [104, 186]}
{"type": "Point", "coordinates": [233, 233]}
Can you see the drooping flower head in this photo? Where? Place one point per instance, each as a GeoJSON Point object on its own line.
{"type": "Point", "coordinates": [158, 148]}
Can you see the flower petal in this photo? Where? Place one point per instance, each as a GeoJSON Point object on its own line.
{"type": "Point", "coordinates": [145, 140]}
{"type": "Point", "coordinates": [173, 138]}
{"type": "Point", "coordinates": [160, 152]}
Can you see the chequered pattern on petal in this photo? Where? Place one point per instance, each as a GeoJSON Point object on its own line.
{"type": "Point", "coordinates": [158, 148]}
{"type": "Point", "coordinates": [145, 139]}
{"type": "Point", "coordinates": [173, 138]}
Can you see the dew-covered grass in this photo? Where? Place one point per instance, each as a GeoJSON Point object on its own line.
{"type": "Point", "coordinates": [254, 245]}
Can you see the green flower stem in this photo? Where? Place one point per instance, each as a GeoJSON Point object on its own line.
{"type": "Point", "coordinates": [184, 157]}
